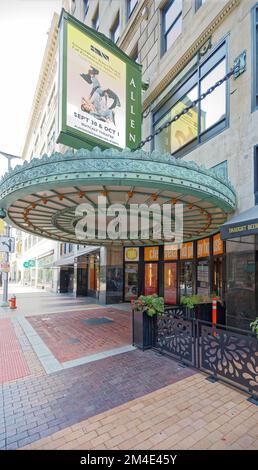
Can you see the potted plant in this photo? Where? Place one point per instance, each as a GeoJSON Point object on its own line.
{"type": "Point", "coordinates": [145, 309]}
{"type": "Point", "coordinates": [254, 326]}
{"type": "Point", "coordinates": [190, 302]}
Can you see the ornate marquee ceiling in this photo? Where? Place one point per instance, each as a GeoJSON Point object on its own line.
{"type": "Point", "coordinates": [41, 196]}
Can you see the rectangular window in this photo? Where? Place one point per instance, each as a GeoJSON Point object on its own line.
{"type": "Point", "coordinates": [131, 281]}
{"type": "Point", "coordinates": [198, 4]}
{"type": "Point", "coordinates": [186, 278]}
{"type": "Point", "coordinates": [150, 278]}
{"type": "Point", "coordinates": [203, 284]}
{"type": "Point", "coordinates": [171, 22]}
{"type": "Point", "coordinates": [42, 126]}
{"type": "Point", "coordinates": [114, 32]}
{"type": "Point", "coordinates": [51, 99]}
{"type": "Point", "coordinates": [131, 4]}
{"type": "Point", "coordinates": [170, 283]}
{"type": "Point", "coordinates": [202, 121]}
{"type": "Point", "coordinates": [255, 57]}
{"type": "Point", "coordinates": [85, 7]}
{"type": "Point", "coordinates": [95, 20]}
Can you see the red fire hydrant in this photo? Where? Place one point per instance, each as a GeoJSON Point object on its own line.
{"type": "Point", "coordinates": [12, 302]}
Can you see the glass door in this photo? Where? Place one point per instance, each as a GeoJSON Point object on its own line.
{"type": "Point", "coordinates": [150, 278]}
{"type": "Point", "coordinates": [170, 283]}
{"type": "Point", "coordinates": [131, 281]}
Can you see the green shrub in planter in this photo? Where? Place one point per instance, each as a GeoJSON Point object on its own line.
{"type": "Point", "coordinates": [254, 326]}
{"type": "Point", "coordinates": [151, 304]}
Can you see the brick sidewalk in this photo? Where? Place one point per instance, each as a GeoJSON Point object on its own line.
{"type": "Point", "coordinates": [69, 336]}
{"type": "Point", "coordinates": [190, 414]}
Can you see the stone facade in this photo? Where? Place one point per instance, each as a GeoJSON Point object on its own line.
{"type": "Point", "coordinates": [142, 31]}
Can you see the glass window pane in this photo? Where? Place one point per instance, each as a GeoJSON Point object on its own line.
{"type": "Point", "coordinates": [182, 131]}
{"type": "Point", "coordinates": [172, 13]}
{"type": "Point", "coordinates": [131, 5]}
{"type": "Point", "coordinates": [174, 33]}
{"type": "Point", "coordinates": [131, 281]}
{"type": "Point", "coordinates": [186, 278]}
{"type": "Point", "coordinates": [213, 107]}
{"type": "Point", "coordinates": [150, 278]}
{"type": "Point", "coordinates": [170, 276]}
{"type": "Point", "coordinates": [203, 285]}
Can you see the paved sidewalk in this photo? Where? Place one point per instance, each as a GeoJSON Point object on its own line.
{"type": "Point", "coordinates": [189, 414]}
{"type": "Point", "coordinates": [36, 407]}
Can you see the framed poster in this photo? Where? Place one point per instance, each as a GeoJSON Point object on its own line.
{"type": "Point", "coordinates": [99, 90]}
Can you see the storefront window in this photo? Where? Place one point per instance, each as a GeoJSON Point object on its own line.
{"type": "Point", "coordinates": [170, 283]}
{"type": "Point", "coordinates": [186, 278]}
{"type": "Point", "coordinates": [217, 287]}
{"type": "Point", "coordinates": [131, 281]}
{"type": "Point", "coordinates": [203, 285]}
{"type": "Point", "coordinates": [194, 127]}
{"type": "Point", "coordinates": [151, 278]}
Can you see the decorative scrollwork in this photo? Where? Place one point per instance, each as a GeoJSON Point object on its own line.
{"type": "Point", "coordinates": [175, 336]}
{"type": "Point", "coordinates": [230, 355]}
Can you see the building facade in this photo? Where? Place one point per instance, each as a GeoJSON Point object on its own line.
{"type": "Point", "coordinates": [184, 47]}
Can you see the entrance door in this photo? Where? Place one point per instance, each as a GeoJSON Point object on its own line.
{"type": "Point", "coordinates": [131, 281]}
{"type": "Point", "coordinates": [82, 281]}
{"type": "Point", "coordinates": [150, 278]}
{"type": "Point", "coordinates": [170, 283]}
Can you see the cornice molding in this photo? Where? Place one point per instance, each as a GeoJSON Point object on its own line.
{"type": "Point", "coordinates": [199, 42]}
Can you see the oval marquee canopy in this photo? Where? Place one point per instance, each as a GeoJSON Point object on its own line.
{"type": "Point", "coordinates": [40, 197]}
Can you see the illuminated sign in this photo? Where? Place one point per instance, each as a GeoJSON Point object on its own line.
{"type": "Point", "coordinates": [203, 248]}
{"type": "Point", "coordinates": [151, 253]}
{"type": "Point", "coordinates": [131, 254]}
{"type": "Point", "coordinates": [186, 250]}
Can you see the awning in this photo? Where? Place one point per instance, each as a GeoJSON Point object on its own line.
{"type": "Point", "coordinates": [42, 196]}
{"type": "Point", "coordinates": [241, 225]}
{"type": "Point", "coordinates": [69, 260]}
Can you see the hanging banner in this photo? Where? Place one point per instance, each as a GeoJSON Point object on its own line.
{"type": "Point", "coordinates": [99, 90]}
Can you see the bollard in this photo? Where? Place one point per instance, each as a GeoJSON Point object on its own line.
{"type": "Point", "coordinates": [12, 302]}
{"type": "Point", "coordinates": [214, 315]}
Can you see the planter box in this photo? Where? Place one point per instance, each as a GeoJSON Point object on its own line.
{"type": "Point", "coordinates": [143, 329]}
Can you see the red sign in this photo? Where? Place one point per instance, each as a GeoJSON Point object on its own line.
{"type": "Point", "coordinates": [170, 275]}
{"type": "Point", "coordinates": [151, 279]}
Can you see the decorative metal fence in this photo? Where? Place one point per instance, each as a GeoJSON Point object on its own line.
{"type": "Point", "coordinates": [223, 352]}
{"type": "Point", "coordinates": [176, 336]}
{"type": "Point", "coordinates": [228, 353]}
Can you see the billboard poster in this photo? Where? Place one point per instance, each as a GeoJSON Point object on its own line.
{"type": "Point", "coordinates": [100, 98]}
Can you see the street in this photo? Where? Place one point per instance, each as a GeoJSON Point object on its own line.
{"type": "Point", "coordinates": [70, 379]}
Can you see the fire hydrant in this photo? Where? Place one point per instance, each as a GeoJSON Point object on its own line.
{"type": "Point", "coordinates": [12, 302]}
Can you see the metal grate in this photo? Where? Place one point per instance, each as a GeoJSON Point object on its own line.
{"type": "Point", "coordinates": [97, 321]}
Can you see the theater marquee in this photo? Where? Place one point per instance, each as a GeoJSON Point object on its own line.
{"type": "Point", "coordinates": [99, 90]}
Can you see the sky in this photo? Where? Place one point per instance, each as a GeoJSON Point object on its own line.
{"type": "Point", "coordinates": [23, 35]}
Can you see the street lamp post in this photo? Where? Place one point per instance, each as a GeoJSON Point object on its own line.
{"type": "Point", "coordinates": [8, 233]}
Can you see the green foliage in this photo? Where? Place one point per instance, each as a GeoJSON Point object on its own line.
{"type": "Point", "coordinates": [151, 304]}
{"type": "Point", "coordinates": [254, 326]}
{"type": "Point", "coordinates": [191, 301]}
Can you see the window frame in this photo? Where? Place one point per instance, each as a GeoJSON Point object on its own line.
{"type": "Point", "coordinates": [95, 19]}
{"type": "Point", "coordinates": [254, 35]}
{"type": "Point", "coordinates": [164, 33]}
{"type": "Point", "coordinates": [185, 85]}
{"type": "Point", "coordinates": [198, 4]}
{"type": "Point", "coordinates": [85, 4]}
{"type": "Point", "coordinates": [115, 26]}
{"type": "Point", "coordinates": [129, 10]}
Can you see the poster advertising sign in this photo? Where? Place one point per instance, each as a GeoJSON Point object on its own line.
{"type": "Point", "coordinates": [218, 248]}
{"type": "Point", "coordinates": [170, 283]}
{"type": "Point", "coordinates": [186, 250]}
{"type": "Point", "coordinates": [203, 248]}
{"type": "Point", "coordinates": [132, 254]}
{"type": "Point", "coordinates": [150, 278]}
{"type": "Point", "coordinates": [151, 253]}
{"type": "Point", "coordinates": [100, 90]}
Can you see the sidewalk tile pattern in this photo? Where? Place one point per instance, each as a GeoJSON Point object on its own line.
{"type": "Point", "coordinates": [12, 361]}
{"type": "Point", "coordinates": [33, 408]}
{"type": "Point", "coordinates": [57, 329]}
{"type": "Point", "coordinates": [189, 414]}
